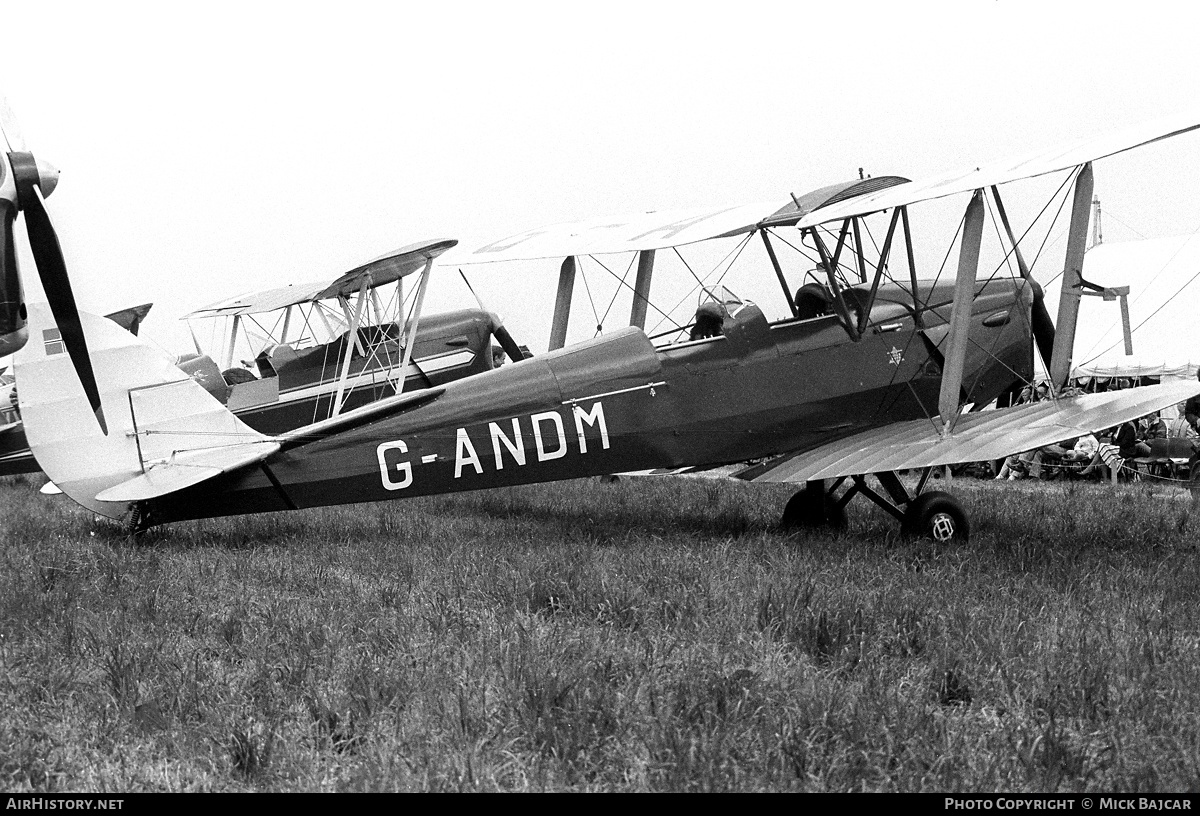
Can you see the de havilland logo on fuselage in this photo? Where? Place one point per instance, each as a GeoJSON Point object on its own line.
{"type": "Point", "coordinates": [507, 442]}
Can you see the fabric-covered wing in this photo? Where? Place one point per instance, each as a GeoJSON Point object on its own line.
{"type": "Point", "coordinates": [604, 236]}
{"type": "Point", "coordinates": [268, 300]}
{"type": "Point", "coordinates": [1000, 172]}
{"type": "Point", "coordinates": [666, 228]}
{"type": "Point", "coordinates": [383, 270]}
{"type": "Point", "coordinates": [976, 437]}
{"type": "Point", "coordinates": [388, 268]}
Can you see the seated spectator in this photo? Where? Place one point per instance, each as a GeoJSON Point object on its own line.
{"type": "Point", "coordinates": [1071, 455]}
{"type": "Point", "coordinates": [1191, 409]}
{"type": "Point", "coordinates": [1054, 456]}
{"type": "Point", "coordinates": [1179, 427]}
{"type": "Point", "coordinates": [1020, 465]}
{"type": "Point", "coordinates": [1086, 447]}
{"type": "Point", "coordinates": [1154, 427]}
{"type": "Point", "coordinates": [1068, 455]}
{"type": "Point", "coordinates": [1105, 458]}
{"type": "Point", "coordinates": [1129, 443]}
{"type": "Point", "coordinates": [1080, 454]}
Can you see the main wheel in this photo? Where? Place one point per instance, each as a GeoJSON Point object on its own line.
{"type": "Point", "coordinates": [938, 516]}
{"type": "Point", "coordinates": [812, 508]}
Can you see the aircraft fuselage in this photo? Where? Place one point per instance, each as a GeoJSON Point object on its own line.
{"type": "Point", "coordinates": [617, 404]}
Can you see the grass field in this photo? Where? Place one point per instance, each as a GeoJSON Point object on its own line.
{"type": "Point", "coordinates": [654, 634]}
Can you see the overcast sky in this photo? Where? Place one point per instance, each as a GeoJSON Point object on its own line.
{"type": "Point", "coordinates": [212, 148]}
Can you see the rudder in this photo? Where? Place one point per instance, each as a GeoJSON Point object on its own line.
{"type": "Point", "coordinates": [154, 410]}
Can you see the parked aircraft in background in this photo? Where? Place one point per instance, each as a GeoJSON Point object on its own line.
{"type": "Point", "coordinates": [299, 364]}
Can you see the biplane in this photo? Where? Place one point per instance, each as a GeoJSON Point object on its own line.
{"type": "Point", "coordinates": [315, 350]}
{"type": "Point", "coordinates": [862, 379]}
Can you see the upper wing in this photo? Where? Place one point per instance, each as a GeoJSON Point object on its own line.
{"type": "Point", "coordinates": [656, 230]}
{"type": "Point", "coordinates": [603, 236]}
{"type": "Point", "coordinates": [976, 437]}
{"type": "Point", "coordinates": [1012, 169]}
{"type": "Point", "coordinates": [384, 269]}
{"type": "Point", "coordinates": [662, 228]}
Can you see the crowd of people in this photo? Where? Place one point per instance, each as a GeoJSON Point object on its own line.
{"type": "Point", "coordinates": [1096, 455]}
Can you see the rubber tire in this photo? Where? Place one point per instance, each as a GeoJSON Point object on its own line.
{"type": "Point", "coordinates": [937, 516]}
{"type": "Point", "coordinates": [811, 508]}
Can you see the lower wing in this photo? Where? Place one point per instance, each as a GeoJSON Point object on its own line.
{"type": "Point", "coordinates": [920, 443]}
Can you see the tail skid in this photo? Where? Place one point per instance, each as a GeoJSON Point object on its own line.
{"type": "Point", "coordinates": [157, 416]}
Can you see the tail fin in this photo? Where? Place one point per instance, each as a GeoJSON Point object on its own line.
{"type": "Point", "coordinates": [155, 411]}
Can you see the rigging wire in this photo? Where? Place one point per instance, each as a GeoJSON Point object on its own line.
{"type": "Point", "coordinates": [730, 256]}
{"type": "Point", "coordinates": [621, 282]}
{"type": "Point", "coordinates": [587, 288]}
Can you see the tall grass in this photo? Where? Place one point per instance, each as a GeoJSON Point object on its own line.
{"type": "Point", "coordinates": [644, 635]}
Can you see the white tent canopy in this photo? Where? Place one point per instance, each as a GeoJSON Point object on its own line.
{"type": "Point", "coordinates": [1163, 276]}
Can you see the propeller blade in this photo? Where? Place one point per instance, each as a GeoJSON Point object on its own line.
{"type": "Point", "coordinates": [1042, 324]}
{"type": "Point", "coordinates": [13, 328]}
{"type": "Point", "coordinates": [10, 129]}
{"type": "Point", "coordinates": [498, 331]}
{"type": "Point", "coordinates": [52, 268]}
{"type": "Point", "coordinates": [506, 342]}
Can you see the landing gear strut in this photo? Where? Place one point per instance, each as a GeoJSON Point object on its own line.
{"type": "Point", "coordinates": [934, 515]}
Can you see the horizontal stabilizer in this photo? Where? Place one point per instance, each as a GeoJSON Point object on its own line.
{"type": "Point", "coordinates": [161, 421]}
{"type": "Point", "coordinates": [186, 469]}
{"type": "Point", "coordinates": [977, 437]}
{"type": "Point", "coordinates": [371, 412]}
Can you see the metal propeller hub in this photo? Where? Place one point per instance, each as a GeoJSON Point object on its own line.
{"type": "Point", "coordinates": [29, 172]}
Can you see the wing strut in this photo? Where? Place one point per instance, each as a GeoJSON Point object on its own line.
{"type": "Point", "coordinates": [641, 288]}
{"type": "Point", "coordinates": [562, 304]}
{"type": "Point", "coordinates": [865, 315]}
{"type": "Point", "coordinates": [787, 294]}
{"type": "Point", "coordinates": [960, 314]}
{"type": "Point", "coordinates": [830, 264]}
{"type": "Point", "coordinates": [416, 317]}
{"type": "Point", "coordinates": [232, 340]}
{"type": "Point", "coordinates": [1072, 280]}
{"type": "Point", "coordinates": [918, 320]}
{"type": "Point", "coordinates": [352, 344]}
{"type": "Point", "coordinates": [1043, 326]}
